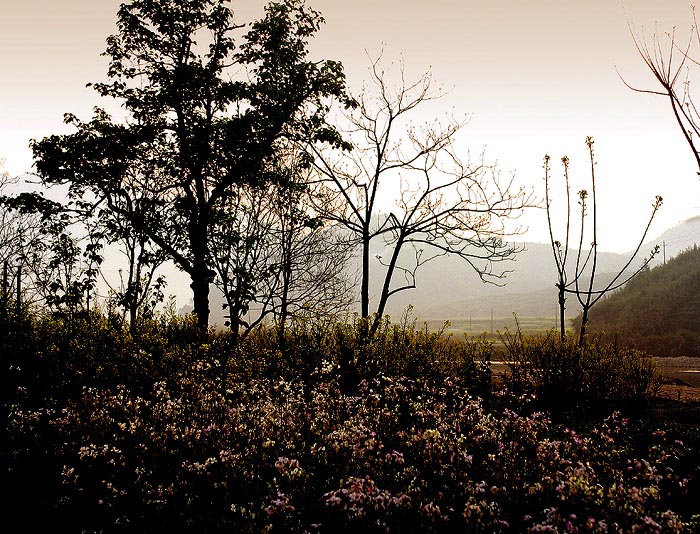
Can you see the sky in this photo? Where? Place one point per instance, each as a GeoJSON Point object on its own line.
{"type": "Point", "coordinates": [533, 77]}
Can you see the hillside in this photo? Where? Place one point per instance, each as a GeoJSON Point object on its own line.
{"type": "Point", "coordinates": [659, 311]}
{"type": "Point", "coordinates": [676, 239]}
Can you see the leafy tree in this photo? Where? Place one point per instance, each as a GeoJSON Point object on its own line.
{"type": "Point", "coordinates": [444, 205]}
{"type": "Point", "coordinates": [12, 227]}
{"type": "Point", "coordinates": [38, 257]}
{"type": "Point", "coordinates": [202, 115]}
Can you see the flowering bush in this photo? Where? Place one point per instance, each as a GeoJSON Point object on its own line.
{"type": "Point", "coordinates": [401, 455]}
{"type": "Point", "coordinates": [159, 439]}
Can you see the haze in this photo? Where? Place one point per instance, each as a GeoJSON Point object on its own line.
{"type": "Point", "coordinates": [535, 77]}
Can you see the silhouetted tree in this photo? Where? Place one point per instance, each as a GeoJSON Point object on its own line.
{"type": "Point", "coordinates": [274, 257]}
{"type": "Point", "coordinates": [140, 288]}
{"type": "Point", "coordinates": [32, 235]}
{"type": "Point", "coordinates": [444, 205]}
{"type": "Point", "coordinates": [672, 63]}
{"type": "Point", "coordinates": [312, 257]}
{"type": "Point", "coordinates": [582, 281]}
{"type": "Point", "coordinates": [202, 115]}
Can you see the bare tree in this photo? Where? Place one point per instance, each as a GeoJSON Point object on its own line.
{"type": "Point", "coordinates": [274, 257]}
{"type": "Point", "coordinates": [671, 62]}
{"type": "Point", "coordinates": [311, 272]}
{"type": "Point", "coordinates": [23, 239]}
{"type": "Point", "coordinates": [444, 205]}
{"type": "Point", "coordinates": [241, 256]}
{"type": "Point", "coordinates": [140, 288]}
{"type": "Point", "coordinates": [581, 282]}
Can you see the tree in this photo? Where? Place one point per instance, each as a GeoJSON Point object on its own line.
{"type": "Point", "coordinates": [586, 262]}
{"type": "Point", "coordinates": [54, 266]}
{"type": "Point", "coordinates": [32, 232]}
{"type": "Point", "coordinates": [312, 258]}
{"type": "Point", "coordinates": [274, 257]}
{"type": "Point", "coordinates": [139, 290]}
{"type": "Point", "coordinates": [202, 116]}
{"type": "Point", "coordinates": [671, 64]}
{"type": "Point", "coordinates": [13, 229]}
{"type": "Point", "coordinates": [444, 205]}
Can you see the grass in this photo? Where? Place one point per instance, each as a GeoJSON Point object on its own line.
{"type": "Point", "coordinates": [477, 326]}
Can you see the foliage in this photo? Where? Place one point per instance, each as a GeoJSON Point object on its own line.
{"type": "Point", "coordinates": [144, 433]}
{"type": "Point", "coordinates": [204, 111]}
{"type": "Point", "coordinates": [570, 375]}
{"type": "Point", "coordinates": [658, 311]}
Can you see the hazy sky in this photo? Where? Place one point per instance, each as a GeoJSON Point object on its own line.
{"type": "Point", "coordinates": [535, 76]}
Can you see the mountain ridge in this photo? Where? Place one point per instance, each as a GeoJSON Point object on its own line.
{"type": "Point", "coordinates": [449, 289]}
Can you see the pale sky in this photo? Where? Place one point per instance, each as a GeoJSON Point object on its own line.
{"type": "Point", "coordinates": [535, 77]}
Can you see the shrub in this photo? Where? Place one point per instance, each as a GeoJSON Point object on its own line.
{"type": "Point", "coordinates": [156, 438]}
{"type": "Point", "coordinates": [568, 374]}
{"type": "Point", "coordinates": [399, 455]}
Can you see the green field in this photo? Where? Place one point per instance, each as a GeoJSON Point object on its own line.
{"type": "Point", "coordinates": [477, 326]}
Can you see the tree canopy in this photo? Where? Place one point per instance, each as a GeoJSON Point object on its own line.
{"type": "Point", "coordinates": [204, 111]}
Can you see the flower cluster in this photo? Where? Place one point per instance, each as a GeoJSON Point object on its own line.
{"type": "Point", "coordinates": [394, 455]}
{"type": "Point", "coordinates": [166, 431]}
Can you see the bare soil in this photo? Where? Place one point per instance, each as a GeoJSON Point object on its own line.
{"type": "Point", "coordinates": [680, 371]}
{"type": "Point", "coordinates": [681, 379]}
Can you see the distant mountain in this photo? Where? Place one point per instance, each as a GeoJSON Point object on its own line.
{"type": "Point", "coordinates": [677, 239]}
{"type": "Point", "coordinates": [658, 311]}
{"type": "Point", "coordinates": [448, 288]}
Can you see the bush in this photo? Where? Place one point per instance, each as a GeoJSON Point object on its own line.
{"type": "Point", "coordinates": [175, 430]}
{"type": "Point", "coordinates": [399, 455]}
{"type": "Point", "coordinates": [571, 375]}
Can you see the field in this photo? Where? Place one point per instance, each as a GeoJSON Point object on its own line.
{"type": "Point", "coordinates": [475, 326]}
{"type": "Point", "coordinates": [681, 374]}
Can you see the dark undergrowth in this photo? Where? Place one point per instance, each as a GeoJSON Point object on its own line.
{"type": "Point", "coordinates": [174, 429]}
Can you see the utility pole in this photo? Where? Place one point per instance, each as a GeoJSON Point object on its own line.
{"type": "Point", "coordinates": [664, 252]}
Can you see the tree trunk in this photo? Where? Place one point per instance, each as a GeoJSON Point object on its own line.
{"type": "Point", "coordinates": [364, 295]}
{"type": "Point", "coordinates": [584, 322]}
{"type": "Point", "coordinates": [200, 274]}
{"type": "Point", "coordinates": [201, 277]}
{"type": "Point", "coordinates": [386, 289]}
{"type": "Point", "coordinates": [200, 296]}
{"type": "Point", "coordinates": [562, 311]}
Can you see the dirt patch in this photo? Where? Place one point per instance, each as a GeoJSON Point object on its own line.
{"type": "Point", "coordinates": [679, 392]}
{"type": "Point", "coordinates": [681, 371]}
